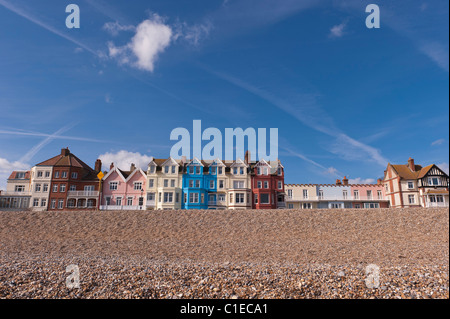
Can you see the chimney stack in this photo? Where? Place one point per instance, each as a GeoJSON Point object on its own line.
{"type": "Point", "coordinates": [65, 151]}
{"type": "Point", "coordinates": [338, 182]}
{"type": "Point", "coordinates": [132, 167]}
{"type": "Point", "coordinates": [345, 181]}
{"type": "Point", "coordinates": [183, 159]}
{"type": "Point", "coordinates": [379, 181]}
{"type": "Point", "coordinates": [111, 166]}
{"type": "Point", "coordinates": [411, 164]}
{"type": "Point", "coordinates": [247, 157]}
{"type": "Point", "coordinates": [98, 165]}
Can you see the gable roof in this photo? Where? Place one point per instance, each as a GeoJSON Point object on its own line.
{"type": "Point", "coordinates": [406, 173]}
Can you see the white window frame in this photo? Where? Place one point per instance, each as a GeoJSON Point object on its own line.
{"type": "Point", "coordinates": [113, 186]}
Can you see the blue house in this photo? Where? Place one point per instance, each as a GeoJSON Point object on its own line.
{"type": "Point", "coordinates": [199, 180]}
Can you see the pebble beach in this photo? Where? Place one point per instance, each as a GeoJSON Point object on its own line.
{"type": "Point", "coordinates": [226, 254]}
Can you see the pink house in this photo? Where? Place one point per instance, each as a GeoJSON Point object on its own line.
{"type": "Point", "coordinates": [369, 195]}
{"type": "Point", "coordinates": [123, 189]}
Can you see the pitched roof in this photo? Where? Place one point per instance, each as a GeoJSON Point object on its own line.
{"type": "Point", "coordinates": [406, 173]}
{"type": "Point", "coordinates": [14, 175]}
{"type": "Point", "coordinates": [65, 160]}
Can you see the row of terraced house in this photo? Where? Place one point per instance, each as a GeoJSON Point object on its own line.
{"type": "Point", "coordinates": [64, 182]}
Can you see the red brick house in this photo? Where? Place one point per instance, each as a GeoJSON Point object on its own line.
{"type": "Point", "coordinates": [74, 185]}
{"type": "Point", "coordinates": [268, 185]}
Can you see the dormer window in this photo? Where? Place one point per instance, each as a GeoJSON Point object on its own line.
{"type": "Point", "coordinates": [198, 170]}
{"type": "Point", "coordinates": [241, 171]}
{"type": "Point", "coordinates": [235, 170]}
{"type": "Point", "coordinates": [220, 170]}
{"type": "Point", "coordinates": [173, 169]}
{"type": "Point", "coordinates": [213, 170]}
{"type": "Point", "coordinates": [152, 169]}
{"type": "Point", "coordinates": [166, 169]}
{"type": "Point", "coordinates": [280, 171]}
{"type": "Point", "coordinates": [20, 175]}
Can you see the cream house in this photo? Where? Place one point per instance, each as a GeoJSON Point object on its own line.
{"type": "Point", "coordinates": [40, 184]}
{"type": "Point", "coordinates": [301, 196]}
{"type": "Point", "coordinates": [239, 188]}
{"type": "Point", "coordinates": [164, 183]}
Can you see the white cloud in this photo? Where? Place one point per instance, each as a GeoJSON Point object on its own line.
{"type": "Point", "coordinates": [438, 142]}
{"type": "Point", "coordinates": [7, 167]}
{"type": "Point", "coordinates": [337, 31]}
{"type": "Point", "coordinates": [360, 180]}
{"type": "Point", "coordinates": [123, 159]}
{"type": "Point", "coordinates": [152, 37]}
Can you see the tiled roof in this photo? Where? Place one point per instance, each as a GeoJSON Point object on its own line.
{"type": "Point", "coordinates": [65, 160]}
{"type": "Point", "coordinates": [14, 175]}
{"type": "Point", "coordinates": [406, 173]}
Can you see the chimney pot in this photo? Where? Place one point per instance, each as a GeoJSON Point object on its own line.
{"type": "Point", "coordinates": [98, 165]}
{"type": "Point", "coordinates": [132, 167]}
{"type": "Point", "coordinates": [411, 164]}
{"type": "Point", "coordinates": [345, 181]}
{"type": "Point", "coordinates": [65, 151]}
{"type": "Point", "coordinates": [338, 182]}
{"type": "Point", "coordinates": [111, 166]}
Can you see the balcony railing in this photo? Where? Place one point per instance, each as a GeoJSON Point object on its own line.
{"type": "Point", "coordinates": [436, 204]}
{"type": "Point", "coordinates": [151, 203]}
{"type": "Point", "coordinates": [82, 194]}
{"type": "Point", "coordinates": [124, 207]}
{"type": "Point", "coordinates": [333, 198]}
{"type": "Point", "coordinates": [16, 194]}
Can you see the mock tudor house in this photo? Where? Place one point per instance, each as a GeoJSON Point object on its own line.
{"type": "Point", "coordinates": [411, 185]}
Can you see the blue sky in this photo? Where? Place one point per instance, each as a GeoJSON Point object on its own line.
{"type": "Point", "coordinates": [346, 99]}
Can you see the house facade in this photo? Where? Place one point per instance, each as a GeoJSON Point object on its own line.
{"type": "Point", "coordinates": [301, 196]}
{"type": "Point", "coordinates": [239, 183]}
{"type": "Point", "coordinates": [73, 184]}
{"type": "Point", "coordinates": [412, 185]}
{"type": "Point", "coordinates": [268, 185]}
{"type": "Point", "coordinates": [198, 183]}
{"type": "Point", "coordinates": [164, 184]}
{"type": "Point", "coordinates": [18, 194]}
{"type": "Point", "coordinates": [339, 195]}
{"type": "Point", "coordinates": [41, 179]}
{"type": "Point", "coordinates": [124, 190]}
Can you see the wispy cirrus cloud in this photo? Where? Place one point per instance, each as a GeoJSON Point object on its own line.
{"type": "Point", "coordinates": [26, 13]}
{"type": "Point", "coordinates": [308, 111]}
{"type": "Point", "coordinates": [438, 142]}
